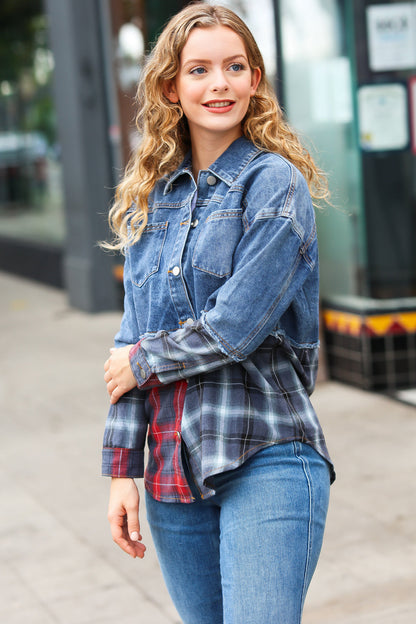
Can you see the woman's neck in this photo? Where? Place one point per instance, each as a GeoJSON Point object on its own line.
{"type": "Point", "coordinates": [205, 152]}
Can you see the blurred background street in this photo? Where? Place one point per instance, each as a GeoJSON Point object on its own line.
{"type": "Point", "coordinates": [58, 563]}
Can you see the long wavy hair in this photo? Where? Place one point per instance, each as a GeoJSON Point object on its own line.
{"type": "Point", "coordinates": [164, 130]}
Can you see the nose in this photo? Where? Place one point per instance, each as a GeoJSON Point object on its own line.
{"type": "Point", "coordinates": [219, 82]}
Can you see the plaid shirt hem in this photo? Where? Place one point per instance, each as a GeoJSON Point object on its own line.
{"type": "Point", "coordinates": [223, 411]}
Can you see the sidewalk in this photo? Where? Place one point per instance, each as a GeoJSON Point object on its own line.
{"type": "Point", "coordinates": [57, 561]}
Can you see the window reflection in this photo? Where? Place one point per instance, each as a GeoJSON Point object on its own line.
{"type": "Point", "coordinates": [319, 104]}
{"type": "Point", "coordinates": [31, 204]}
{"type": "Point", "coordinates": [301, 21]}
{"type": "Point", "coordinates": [129, 27]}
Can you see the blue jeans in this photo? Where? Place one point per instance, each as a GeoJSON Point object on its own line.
{"type": "Point", "coordinates": [247, 554]}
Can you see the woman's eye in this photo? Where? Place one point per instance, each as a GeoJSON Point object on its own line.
{"type": "Point", "coordinates": [235, 67]}
{"type": "Point", "coordinates": [198, 71]}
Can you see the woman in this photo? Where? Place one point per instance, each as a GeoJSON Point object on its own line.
{"type": "Point", "coordinates": [218, 346]}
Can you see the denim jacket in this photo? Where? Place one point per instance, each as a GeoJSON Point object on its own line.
{"type": "Point", "coordinates": [244, 260]}
{"type": "Point", "coordinates": [225, 276]}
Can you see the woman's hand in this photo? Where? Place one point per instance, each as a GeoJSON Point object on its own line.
{"type": "Point", "coordinates": [118, 374]}
{"type": "Point", "coordinates": [123, 516]}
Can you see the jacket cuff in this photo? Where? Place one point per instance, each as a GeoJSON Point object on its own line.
{"type": "Point", "coordinates": [141, 369]}
{"type": "Point", "coordinates": [122, 462]}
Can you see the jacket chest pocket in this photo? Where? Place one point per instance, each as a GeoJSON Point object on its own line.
{"type": "Point", "coordinates": [216, 243]}
{"type": "Point", "coordinates": [149, 248]}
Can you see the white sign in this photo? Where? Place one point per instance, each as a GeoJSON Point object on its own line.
{"type": "Point", "coordinates": [391, 30]}
{"type": "Point", "coordinates": [383, 117]}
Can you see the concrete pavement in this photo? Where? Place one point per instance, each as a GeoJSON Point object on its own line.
{"type": "Point", "coordinates": [57, 561]}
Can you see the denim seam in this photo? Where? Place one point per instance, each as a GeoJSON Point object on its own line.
{"type": "Point", "coordinates": [306, 471]}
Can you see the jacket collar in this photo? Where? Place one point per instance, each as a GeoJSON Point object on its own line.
{"type": "Point", "coordinates": [227, 167]}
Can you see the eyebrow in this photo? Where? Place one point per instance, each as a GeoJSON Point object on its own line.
{"type": "Point", "coordinates": [228, 59]}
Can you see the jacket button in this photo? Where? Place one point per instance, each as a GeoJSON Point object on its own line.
{"type": "Point", "coordinates": [194, 223]}
{"type": "Point", "coordinates": [176, 270]}
{"type": "Point", "coordinates": [189, 321]}
{"type": "Point", "coordinates": [211, 180]}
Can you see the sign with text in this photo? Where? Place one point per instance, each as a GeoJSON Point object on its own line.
{"type": "Point", "coordinates": [383, 117]}
{"type": "Point", "coordinates": [391, 34]}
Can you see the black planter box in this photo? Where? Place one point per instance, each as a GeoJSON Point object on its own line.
{"type": "Point", "coordinates": [371, 343]}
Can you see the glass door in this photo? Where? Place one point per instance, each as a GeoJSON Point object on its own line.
{"type": "Point", "coordinates": [317, 76]}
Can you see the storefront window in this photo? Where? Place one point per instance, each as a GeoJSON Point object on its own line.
{"type": "Point", "coordinates": [31, 202]}
{"type": "Point", "coordinates": [317, 78]}
{"type": "Point", "coordinates": [135, 26]}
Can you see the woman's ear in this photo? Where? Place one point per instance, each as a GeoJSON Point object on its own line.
{"type": "Point", "coordinates": [169, 89]}
{"type": "Point", "coordinates": [255, 79]}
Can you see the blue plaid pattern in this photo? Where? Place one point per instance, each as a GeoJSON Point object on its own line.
{"type": "Point", "coordinates": [229, 410]}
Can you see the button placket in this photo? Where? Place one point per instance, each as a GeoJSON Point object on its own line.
{"type": "Point", "coordinates": [178, 288]}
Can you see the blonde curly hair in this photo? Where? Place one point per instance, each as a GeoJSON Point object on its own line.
{"type": "Point", "coordinates": [164, 130]}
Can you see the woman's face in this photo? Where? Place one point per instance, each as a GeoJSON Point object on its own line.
{"type": "Point", "coordinates": [214, 83]}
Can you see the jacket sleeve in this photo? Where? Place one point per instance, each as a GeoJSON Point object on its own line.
{"type": "Point", "coordinates": [167, 357]}
{"type": "Point", "coordinates": [129, 330]}
{"type": "Point", "coordinates": [273, 259]}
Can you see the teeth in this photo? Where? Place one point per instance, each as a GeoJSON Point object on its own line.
{"type": "Point", "coordinates": [218, 104]}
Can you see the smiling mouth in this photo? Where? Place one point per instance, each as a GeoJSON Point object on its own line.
{"type": "Point", "coordinates": [223, 104]}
